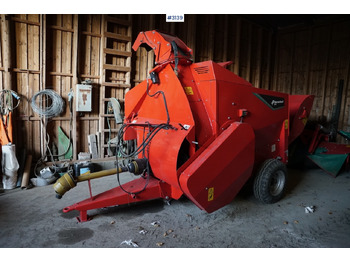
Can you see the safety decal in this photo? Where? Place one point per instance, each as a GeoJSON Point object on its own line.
{"type": "Point", "coordinates": [188, 90]}
{"type": "Point", "coordinates": [286, 124]}
{"type": "Point", "coordinates": [211, 194]}
{"type": "Point", "coordinates": [274, 102]}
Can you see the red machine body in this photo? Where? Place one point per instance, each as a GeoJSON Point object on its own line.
{"type": "Point", "coordinates": [222, 127]}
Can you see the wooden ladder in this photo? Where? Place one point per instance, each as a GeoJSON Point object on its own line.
{"type": "Point", "coordinates": [115, 66]}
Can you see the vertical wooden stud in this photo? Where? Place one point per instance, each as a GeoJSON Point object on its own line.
{"type": "Point", "coordinates": [259, 60]}
{"type": "Point", "coordinates": [237, 46]}
{"type": "Point", "coordinates": [249, 54]}
{"type": "Point", "coordinates": [74, 83]}
{"type": "Point", "coordinates": [268, 59]}
{"type": "Point", "coordinates": [6, 54]}
{"type": "Point", "coordinates": [211, 36]}
{"type": "Point", "coordinates": [102, 87]}
{"type": "Point", "coordinates": [325, 74]}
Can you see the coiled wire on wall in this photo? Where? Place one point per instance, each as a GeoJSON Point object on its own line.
{"type": "Point", "coordinates": [51, 104]}
{"type": "Point", "coordinates": [54, 103]}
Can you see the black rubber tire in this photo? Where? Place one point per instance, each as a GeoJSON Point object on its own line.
{"type": "Point", "coordinates": [270, 182]}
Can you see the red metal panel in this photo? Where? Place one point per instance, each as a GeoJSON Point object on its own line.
{"type": "Point", "coordinates": [142, 109]}
{"type": "Point", "coordinates": [214, 178]}
{"type": "Point", "coordinates": [299, 110]}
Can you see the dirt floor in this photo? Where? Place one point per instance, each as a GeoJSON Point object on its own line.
{"type": "Point", "coordinates": [34, 218]}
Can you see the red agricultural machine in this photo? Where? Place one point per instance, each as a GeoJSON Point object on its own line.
{"type": "Point", "coordinates": [201, 131]}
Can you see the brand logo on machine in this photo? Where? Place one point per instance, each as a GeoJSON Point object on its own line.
{"type": "Point", "coordinates": [274, 102]}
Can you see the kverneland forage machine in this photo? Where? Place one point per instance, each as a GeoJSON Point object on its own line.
{"type": "Point", "coordinates": [201, 131]}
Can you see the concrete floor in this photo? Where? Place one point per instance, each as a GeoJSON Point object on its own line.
{"type": "Point", "coordinates": [34, 218]}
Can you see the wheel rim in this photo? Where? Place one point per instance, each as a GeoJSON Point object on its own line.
{"type": "Point", "coordinates": [277, 183]}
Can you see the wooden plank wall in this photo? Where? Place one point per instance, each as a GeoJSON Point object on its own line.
{"type": "Point", "coordinates": [312, 60]}
{"type": "Point", "coordinates": [39, 51]}
{"type": "Point", "coordinates": [213, 37]}
{"type": "Point", "coordinates": [89, 68]}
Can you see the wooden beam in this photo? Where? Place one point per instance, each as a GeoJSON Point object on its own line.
{"type": "Point", "coordinates": [258, 58]}
{"type": "Point", "coordinates": [60, 28]}
{"type": "Point", "coordinates": [292, 65]}
{"type": "Point", "coordinates": [61, 74]}
{"type": "Point", "coordinates": [325, 74]}
{"type": "Point", "coordinates": [42, 78]}
{"type": "Point", "coordinates": [268, 66]}
{"type": "Point", "coordinates": [19, 20]}
{"type": "Point", "coordinates": [249, 52]}
{"type": "Point", "coordinates": [116, 85]}
{"type": "Point", "coordinates": [237, 46]}
{"type": "Point", "coordinates": [74, 82]}
{"type": "Point", "coordinates": [116, 52]}
{"type": "Point", "coordinates": [89, 76]}
{"type": "Point", "coordinates": [276, 63]}
{"type": "Point", "coordinates": [102, 79]}
{"type": "Point", "coordinates": [225, 41]}
{"type": "Point", "coordinates": [30, 71]}
{"type": "Point", "coordinates": [117, 36]}
{"type": "Point", "coordinates": [191, 33]}
{"type": "Point", "coordinates": [116, 68]}
{"type": "Point", "coordinates": [308, 60]}
{"type": "Point", "coordinates": [211, 36]}
{"type": "Point", "coordinates": [6, 53]}
{"type": "Point", "coordinates": [91, 34]}
{"type": "Point", "coordinates": [118, 21]}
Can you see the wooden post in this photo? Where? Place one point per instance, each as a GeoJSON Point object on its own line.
{"type": "Point", "coordinates": [6, 51]}
{"type": "Point", "coordinates": [42, 83]}
{"type": "Point", "coordinates": [211, 35]}
{"type": "Point", "coordinates": [325, 74]}
{"type": "Point", "coordinates": [150, 55]}
{"type": "Point", "coordinates": [102, 87]}
{"type": "Point", "coordinates": [191, 33]}
{"type": "Point", "coordinates": [225, 41]}
{"type": "Point", "coordinates": [75, 53]}
{"type": "Point", "coordinates": [237, 46]}
{"type": "Point", "coordinates": [92, 141]}
{"type": "Point", "coordinates": [276, 63]}
{"type": "Point", "coordinates": [292, 65]}
{"type": "Point", "coordinates": [249, 55]}
{"type": "Point", "coordinates": [268, 66]}
{"type": "Point", "coordinates": [258, 55]}
{"type": "Point", "coordinates": [308, 60]}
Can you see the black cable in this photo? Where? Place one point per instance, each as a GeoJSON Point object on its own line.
{"type": "Point", "coordinates": [144, 146]}
{"type": "Point", "coordinates": [164, 99]}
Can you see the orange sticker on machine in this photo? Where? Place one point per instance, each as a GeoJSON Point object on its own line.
{"type": "Point", "coordinates": [286, 124]}
{"type": "Point", "coordinates": [188, 90]}
{"type": "Point", "coordinates": [211, 194]}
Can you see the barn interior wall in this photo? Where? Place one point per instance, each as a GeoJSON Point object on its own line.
{"type": "Point", "coordinates": [312, 60]}
{"type": "Point", "coordinates": [58, 51]}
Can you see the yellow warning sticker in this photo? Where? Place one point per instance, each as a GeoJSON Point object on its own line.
{"type": "Point", "coordinates": [188, 90]}
{"type": "Point", "coordinates": [286, 124]}
{"type": "Point", "coordinates": [211, 194]}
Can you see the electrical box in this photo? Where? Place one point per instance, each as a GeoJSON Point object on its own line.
{"type": "Point", "coordinates": [83, 98]}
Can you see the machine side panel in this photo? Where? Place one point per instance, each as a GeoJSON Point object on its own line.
{"type": "Point", "coordinates": [164, 148]}
{"type": "Point", "coordinates": [299, 111]}
{"type": "Point", "coordinates": [266, 121]}
{"type": "Point", "coordinates": [214, 178]}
